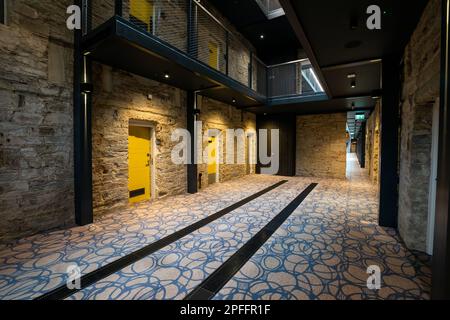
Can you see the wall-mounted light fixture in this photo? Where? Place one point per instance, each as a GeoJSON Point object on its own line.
{"type": "Point", "coordinates": [87, 88]}
{"type": "Point", "coordinates": [376, 94]}
{"type": "Point", "coordinates": [353, 23]}
{"type": "Point", "coordinates": [353, 84]}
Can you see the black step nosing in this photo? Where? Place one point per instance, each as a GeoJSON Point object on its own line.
{"type": "Point", "coordinates": [92, 277]}
{"type": "Point", "coordinates": [221, 276]}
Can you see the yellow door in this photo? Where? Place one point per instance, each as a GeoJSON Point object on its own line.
{"type": "Point", "coordinates": [139, 158]}
{"type": "Point", "coordinates": [213, 55]}
{"type": "Point", "coordinates": [212, 160]}
{"type": "Point", "coordinates": [142, 11]}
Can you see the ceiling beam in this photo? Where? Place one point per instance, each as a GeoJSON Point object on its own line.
{"type": "Point", "coordinates": [301, 35]}
{"type": "Point", "coordinates": [351, 64]}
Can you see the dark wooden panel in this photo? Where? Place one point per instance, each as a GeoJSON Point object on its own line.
{"type": "Point", "coordinates": [192, 169]}
{"type": "Point", "coordinates": [286, 123]}
{"type": "Point", "coordinates": [389, 142]}
{"type": "Point", "coordinates": [361, 146]}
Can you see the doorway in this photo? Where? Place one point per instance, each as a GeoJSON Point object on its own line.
{"type": "Point", "coordinates": [142, 14]}
{"type": "Point", "coordinates": [139, 163]}
{"type": "Point", "coordinates": [250, 154]}
{"type": "Point", "coordinates": [213, 163]}
{"type": "Point", "coordinates": [213, 59]}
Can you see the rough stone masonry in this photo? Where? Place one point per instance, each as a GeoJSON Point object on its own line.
{"type": "Point", "coordinates": [325, 157]}
{"type": "Point", "coordinates": [420, 93]}
{"type": "Point", "coordinates": [36, 139]}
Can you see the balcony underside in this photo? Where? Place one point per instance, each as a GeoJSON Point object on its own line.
{"type": "Point", "coordinates": [118, 43]}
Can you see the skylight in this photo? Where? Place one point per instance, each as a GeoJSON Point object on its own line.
{"type": "Point", "coordinates": [271, 8]}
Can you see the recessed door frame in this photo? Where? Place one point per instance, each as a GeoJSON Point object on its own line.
{"type": "Point", "coordinates": [216, 44]}
{"type": "Point", "coordinates": [153, 152]}
{"type": "Point", "coordinates": [251, 151]}
{"type": "Point", "coordinates": [217, 135]}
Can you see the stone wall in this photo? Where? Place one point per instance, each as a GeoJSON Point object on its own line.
{"type": "Point", "coordinates": [321, 145]}
{"type": "Point", "coordinates": [36, 118]}
{"type": "Point", "coordinates": [220, 116]}
{"type": "Point", "coordinates": [102, 11]}
{"type": "Point", "coordinates": [118, 98]}
{"type": "Point", "coordinates": [36, 138]}
{"type": "Point", "coordinates": [373, 144]}
{"type": "Point", "coordinates": [239, 47]}
{"type": "Point", "coordinates": [420, 92]}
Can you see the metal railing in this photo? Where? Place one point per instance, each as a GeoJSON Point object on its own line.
{"type": "Point", "coordinates": [259, 76]}
{"type": "Point", "coordinates": [191, 28]}
{"type": "Point", "coordinates": [293, 78]}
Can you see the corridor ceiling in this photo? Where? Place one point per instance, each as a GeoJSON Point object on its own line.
{"type": "Point", "coordinates": [354, 124]}
{"type": "Point", "coordinates": [343, 46]}
{"type": "Point", "coordinates": [279, 44]}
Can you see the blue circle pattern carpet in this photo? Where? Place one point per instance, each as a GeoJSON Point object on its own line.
{"type": "Point", "coordinates": [322, 251]}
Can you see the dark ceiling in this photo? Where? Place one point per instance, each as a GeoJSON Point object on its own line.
{"type": "Point", "coordinates": [279, 44]}
{"type": "Point", "coordinates": [337, 34]}
{"type": "Point", "coordinates": [327, 24]}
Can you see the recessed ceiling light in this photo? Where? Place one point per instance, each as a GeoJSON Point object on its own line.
{"type": "Point", "coordinates": [167, 76]}
{"type": "Point", "coordinates": [351, 75]}
{"type": "Point", "coordinates": [234, 100]}
{"type": "Point", "coordinates": [261, 37]}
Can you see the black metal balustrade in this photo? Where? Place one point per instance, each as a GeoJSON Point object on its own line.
{"type": "Point", "coordinates": [191, 28]}
{"type": "Point", "coordinates": [294, 78]}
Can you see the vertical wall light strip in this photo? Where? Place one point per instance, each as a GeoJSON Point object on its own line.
{"type": "Point", "coordinates": [84, 69]}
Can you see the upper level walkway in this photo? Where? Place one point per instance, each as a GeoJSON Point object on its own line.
{"type": "Point", "coordinates": [184, 44]}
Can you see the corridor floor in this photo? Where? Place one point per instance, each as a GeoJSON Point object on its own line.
{"type": "Point", "coordinates": [322, 250]}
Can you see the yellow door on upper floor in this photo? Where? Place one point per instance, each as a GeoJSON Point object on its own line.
{"type": "Point", "coordinates": [213, 55]}
{"type": "Point", "coordinates": [139, 160]}
{"type": "Point", "coordinates": [142, 11]}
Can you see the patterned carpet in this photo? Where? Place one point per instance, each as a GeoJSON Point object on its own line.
{"type": "Point", "coordinates": [324, 249]}
{"type": "Point", "coordinates": [321, 252]}
{"type": "Point", "coordinates": [175, 270]}
{"type": "Point", "coordinates": [36, 265]}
